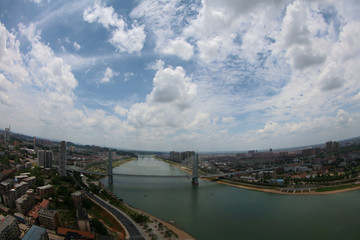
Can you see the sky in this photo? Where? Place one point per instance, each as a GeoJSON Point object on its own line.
{"type": "Point", "coordinates": [230, 75]}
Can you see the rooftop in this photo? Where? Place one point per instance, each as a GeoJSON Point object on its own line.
{"type": "Point", "coordinates": [35, 232]}
{"type": "Point", "coordinates": [8, 220]}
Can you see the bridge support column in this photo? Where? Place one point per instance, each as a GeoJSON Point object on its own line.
{"type": "Point", "coordinates": [110, 168]}
{"type": "Point", "coordinates": [195, 177]}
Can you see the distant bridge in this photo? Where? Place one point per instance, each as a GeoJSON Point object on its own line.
{"type": "Point", "coordinates": [195, 176]}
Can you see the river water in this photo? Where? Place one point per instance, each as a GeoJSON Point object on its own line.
{"type": "Point", "coordinates": [216, 211]}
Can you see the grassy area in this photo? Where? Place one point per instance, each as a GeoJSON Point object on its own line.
{"type": "Point", "coordinates": [139, 218]}
{"type": "Point", "coordinates": [334, 188]}
{"type": "Point", "coordinates": [68, 218]}
{"type": "Point", "coordinates": [99, 213]}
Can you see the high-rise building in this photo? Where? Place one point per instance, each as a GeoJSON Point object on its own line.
{"type": "Point", "coordinates": [332, 146]}
{"type": "Point", "coordinates": [62, 160]}
{"type": "Point", "coordinates": [45, 158]}
{"type": "Point", "coordinates": [41, 158]}
{"type": "Point", "coordinates": [7, 135]}
{"type": "Point", "coordinates": [329, 146]}
{"type": "Point", "coordinates": [48, 159]}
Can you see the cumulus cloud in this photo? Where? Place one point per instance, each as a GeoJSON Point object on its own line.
{"type": "Point", "coordinates": [301, 35]}
{"type": "Point", "coordinates": [123, 38]}
{"type": "Point", "coordinates": [108, 75]}
{"type": "Point", "coordinates": [179, 47]}
{"type": "Point", "coordinates": [172, 94]}
{"type": "Point", "coordinates": [343, 118]}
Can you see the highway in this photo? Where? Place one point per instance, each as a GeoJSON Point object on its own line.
{"type": "Point", "coordinates": [130, 227]}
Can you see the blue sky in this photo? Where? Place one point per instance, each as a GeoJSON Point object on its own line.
{"type": "Point", "coordinates": [181, 75]}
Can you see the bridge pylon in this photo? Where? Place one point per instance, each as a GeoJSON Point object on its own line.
{"type": "Point", "coordinates": [110, 169]}
{"type": "Point", "coordinates": [195, 168]}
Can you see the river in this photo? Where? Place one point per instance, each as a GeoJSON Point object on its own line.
{"type": "Point", "coordinates": [216, 211]}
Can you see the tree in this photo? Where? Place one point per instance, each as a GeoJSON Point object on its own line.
{"type": "Point", "coordinates": [98, 226]}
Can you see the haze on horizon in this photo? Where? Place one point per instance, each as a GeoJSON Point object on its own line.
{"type": "Point", "coordinates": [181, 75]}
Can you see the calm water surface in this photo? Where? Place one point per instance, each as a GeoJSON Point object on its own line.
{"type": "Point", "coordinates": [216, 211]}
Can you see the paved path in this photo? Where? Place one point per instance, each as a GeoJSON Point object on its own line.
{"type": "Point", "coordinates": [130, 227]}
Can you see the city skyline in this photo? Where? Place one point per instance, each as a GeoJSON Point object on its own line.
{"type": "Point", "coordinates": [203, 75]}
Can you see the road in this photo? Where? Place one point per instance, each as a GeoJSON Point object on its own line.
{"type": "Point", "coordinates": [130, 227]}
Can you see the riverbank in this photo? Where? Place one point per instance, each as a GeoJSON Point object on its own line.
{"type": "Point", "coordinates": [278, 191]}
{"type": "Point", "coordinates": [262, 189]}
{"type": "Point", "coordinates": [181, 235]}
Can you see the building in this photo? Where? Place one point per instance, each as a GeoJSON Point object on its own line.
{"type": "Point", "coordinates": [45, 190]}
{"type": "Point", "coordinates": [30, 180]}
{"type": "Point", "coordinates": [34, 212]}
{"type": "Point", "coordinates": [62, 160]}
{"type": "Point", "coordinates": [48, 159]}
{"type": "Point", "coordinates": [41, 158]}
{"type": "Point", "coordinates": [9, 198]}
{"type": "Point", "coordinates": [9, 229]}
{"type": "Point", "coordinates": [45, 158]}
{"type": "Point", "coordinates": [7, 135]}
{"type": "Point", "coordinates": [6, 186]}
{"type": "Point", "coordinates": [77, 198]}
{"type": "Point", "coordinates": [20, 178]}
{"type": "Point", "coordinates": [25, 203]}
{"type": "Point", "coordinates": [49, 219]}
{"type": "Point", "coordinates": [21, 188]}
{"type": "Point", "coordinates": [332, 147]}
{"type": "Point", "coordinates": [83, 219]}
{"type": "Point", "coordinates": [36, 233]}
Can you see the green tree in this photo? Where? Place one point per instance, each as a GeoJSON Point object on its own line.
{"type": "Point", "coordinates": [98, 226]}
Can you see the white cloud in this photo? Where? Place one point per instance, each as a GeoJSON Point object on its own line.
{"type": "Point", "coordinates": [121, 111]}
{"type": "Point", "coordinates": [127, 76]}
{"type": "Point", "coordinates": [124, 38]}
{"type": "Point", "coordinates": [172, 96]}
{"type": "Point", "coordinates": [108, 75]}
{"type": "Point", "coordinates": [76, 46]}
{"type": "Point", "coordinates": [38, 1]}
{"type": "Point", "coordinates": [5, 87]}
{"type": "Point", "coordinates": [179, 47]}
{"type": "Point", "coordinates": [228, 120]}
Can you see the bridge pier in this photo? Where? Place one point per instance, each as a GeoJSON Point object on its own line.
{"type": "Point", "coordinates": [110, 169]}
{"type": "Point", "coordinates": [195, 177]}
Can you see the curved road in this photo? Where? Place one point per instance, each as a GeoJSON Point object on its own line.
{"type": "Point", "coordinates": [130, 227]}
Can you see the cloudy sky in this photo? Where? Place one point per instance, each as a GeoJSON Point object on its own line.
{"type": "Point", "coordinates": [181, 75]}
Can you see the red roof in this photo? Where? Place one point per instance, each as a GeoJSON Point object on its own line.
{"type": "Point", "coordinates": [34, 213]}
{"type": "Point", "coordinates": [7, 171]}
{"type": "Point", "coordinates": [44, 204]}
{"type": "Point", "coordinates": [63, 231]}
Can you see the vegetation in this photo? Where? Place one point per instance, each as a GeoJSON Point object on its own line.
{"type": "Point", "coordinates": [334, 188]}
{"type": "Point", "coordinates": [138, 217]}
{"type": "Point", "coordinates": [98, 226]}
{"type": "Point", "coordinates": [68, 218]}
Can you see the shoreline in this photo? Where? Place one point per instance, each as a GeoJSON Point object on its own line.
{"type": "Point", "coordinates": [182, 235]}
{"type": "Point", "coordinates": [275, 191]}
{"type": "Point", "coordinates": [267, 190]}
